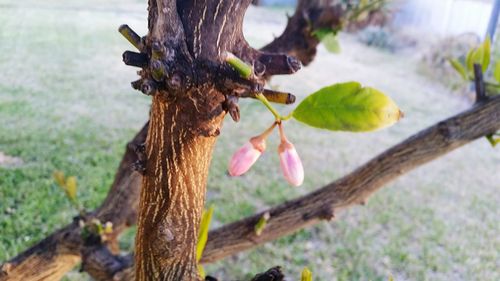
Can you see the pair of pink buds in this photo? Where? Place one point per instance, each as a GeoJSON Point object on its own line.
{"type": "Point", "coordinates": [248, 154]}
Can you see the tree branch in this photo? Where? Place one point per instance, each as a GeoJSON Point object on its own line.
{"type": "Point", "coordinates": [297, 39]}
{"type": "Point", "coordinates": [421, 148]}
{"type": "Point", "coordinates": [59, 252]}
{"type": "Point", "coordinates": [354, 188]}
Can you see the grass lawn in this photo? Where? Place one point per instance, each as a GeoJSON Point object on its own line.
{"type": "Point", "coordinates": [66, 104]}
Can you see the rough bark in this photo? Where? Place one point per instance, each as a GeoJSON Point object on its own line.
{"type": "Point", "coordinates": [186, 73]}
{"type": "Point", "coordinates": [354, 188]}
{"type": "Point", "coordinates": [298, 38]}
{"type": "Point", "coordinates": [60, 251]}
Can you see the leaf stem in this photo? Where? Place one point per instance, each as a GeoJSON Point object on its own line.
{"type": "Point", "coordinates": [264, 100]}
{"type": "Point", "coordinates": [276, 114]}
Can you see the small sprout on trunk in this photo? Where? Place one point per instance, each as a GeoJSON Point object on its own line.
{"type": "Point", "coordinates": [131, 36]}
{"type": "Point", "coordinates": [306, 275]}
{"type": "Point", "coordinates": [261, 224]}
{"type": "Point", "coordinates": [158, 70]}
{"type": "Point", "coordinates": [157, 50]}
{"type": "Point", "coordinates": [69, 186]}
{"type": "Point", "coordinates": [206, 218]}
{"type": "Point", "coordinates": [240, 66]}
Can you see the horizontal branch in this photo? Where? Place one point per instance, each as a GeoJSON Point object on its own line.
{"type": "Point", "coordinates": [59, 252]}
{"type": "Point", "coordinates": [298, 39]}
{"type": "Point", "coordinates": [291, 216]}
{"type": "Point", "coordinates": [355, 188]}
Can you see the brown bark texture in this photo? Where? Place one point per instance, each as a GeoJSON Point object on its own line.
{"type": "Point", "coordinates": [59, 252]}
{"type": "Point", "coordinates": [184, 69]}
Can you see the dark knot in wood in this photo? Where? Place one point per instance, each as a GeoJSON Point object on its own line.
{"type": "Point", "coordinates": [273, 274]}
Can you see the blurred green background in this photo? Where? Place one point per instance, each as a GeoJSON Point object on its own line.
{"type": "Point", "coordinates": [66, 104]}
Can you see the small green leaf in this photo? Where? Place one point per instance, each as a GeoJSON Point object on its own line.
{"type": "Point", "coordinates": [71, 188]}
{"type": "Point", "coordinates": [493, 140]}
{"type": "Point", "coordinates": [496, 72]}
{"type": "Point", "coordinates": [322, 33]}
{"type": "Point", "coordinates": [261, 224]}
{"type": "Point", "coordinates": [331, 43]}
{"type": "Point", "coordinates": [203, 233]}
{"type": "Point", "coordinates": [306, 275]}
{"type": "Point", "coordinates": [59, 179]}
{"type": "Point", "coordinates": [478, 57]}
{"type": "Point", "coordinates": [459, 68]}
{"type": "Point", "coordinates": [492, 89]}
{"type": "Point", "coordinates": [108, 227]}
{"type": "Point", "coordinates": [486, 53]}
{"type": "Point", "coordinates": [347, 107]}
{"type": "Point", "coordinates": [391, 278]}
{"type": "Point", "coordinates": [468, 60]}
{"type": "Point", "coordinates": [242, 67]}
{"type": "Point", "coordinates": [328, 37]}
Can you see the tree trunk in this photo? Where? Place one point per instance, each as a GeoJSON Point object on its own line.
{"type": "Point", "coordinates": [173, 192]}
{"type": "Point", "coordinates": [185, 73]}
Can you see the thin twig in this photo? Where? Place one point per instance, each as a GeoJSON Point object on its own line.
{"type": "Point", "coordinates": [479, 83]}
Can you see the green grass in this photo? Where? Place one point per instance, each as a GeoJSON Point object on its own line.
{"type": "Point", "coordinates": [66, 103]}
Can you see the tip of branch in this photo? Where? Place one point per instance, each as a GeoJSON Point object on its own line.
{"type": "Point", "coordinates": [123, 27]}
{"type": "Point", "coordinates": [5, 268]}
{"type": "Point", "coordinates": [294, 64]}
{"type": "Point", "coordinates": [273, 274]}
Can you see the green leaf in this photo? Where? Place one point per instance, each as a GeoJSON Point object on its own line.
{"type": "Point", "coordinates": [328, 37]}
{"type": "Point", "coordinates": [347, 107]}
{"type": "Point", "coordinates": [59, 179]}
{"type": "Point", "coordinates": [459, 68]}
{"type": "Point", "coordinates": [261, 224]}
{"type": "Point", "coordinates": [493, 141]}
{"type": "Point", "coordinates": [468, 60]}
{"type": "Point", "coordinates": [322, 33]}
{"type": "Point", "coordinates": [203, 233]}
{"type": "Point", "coordinates": [306, 275]}
{"type": "Point", "coordinates": [331, 43]}
{"type": "Point", "coordinates": [492, 89]}
{"type": "Point", "coordinates": [71, 188]}
{"type": "Point", "coordinates": [496, 72]}
{"type": "Point", "coordinates": [486, 53]}
{"type": "Point", "coordinates": [478, 57]}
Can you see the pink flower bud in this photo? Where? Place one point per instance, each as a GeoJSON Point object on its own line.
{"type": "Point", "coordinates": [290, 163]}
{"type": "Point", "coordinates": [246, 156]}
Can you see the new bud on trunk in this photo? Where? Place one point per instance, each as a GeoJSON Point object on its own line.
{"type": "Point", "coordinates": [246, 156]}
